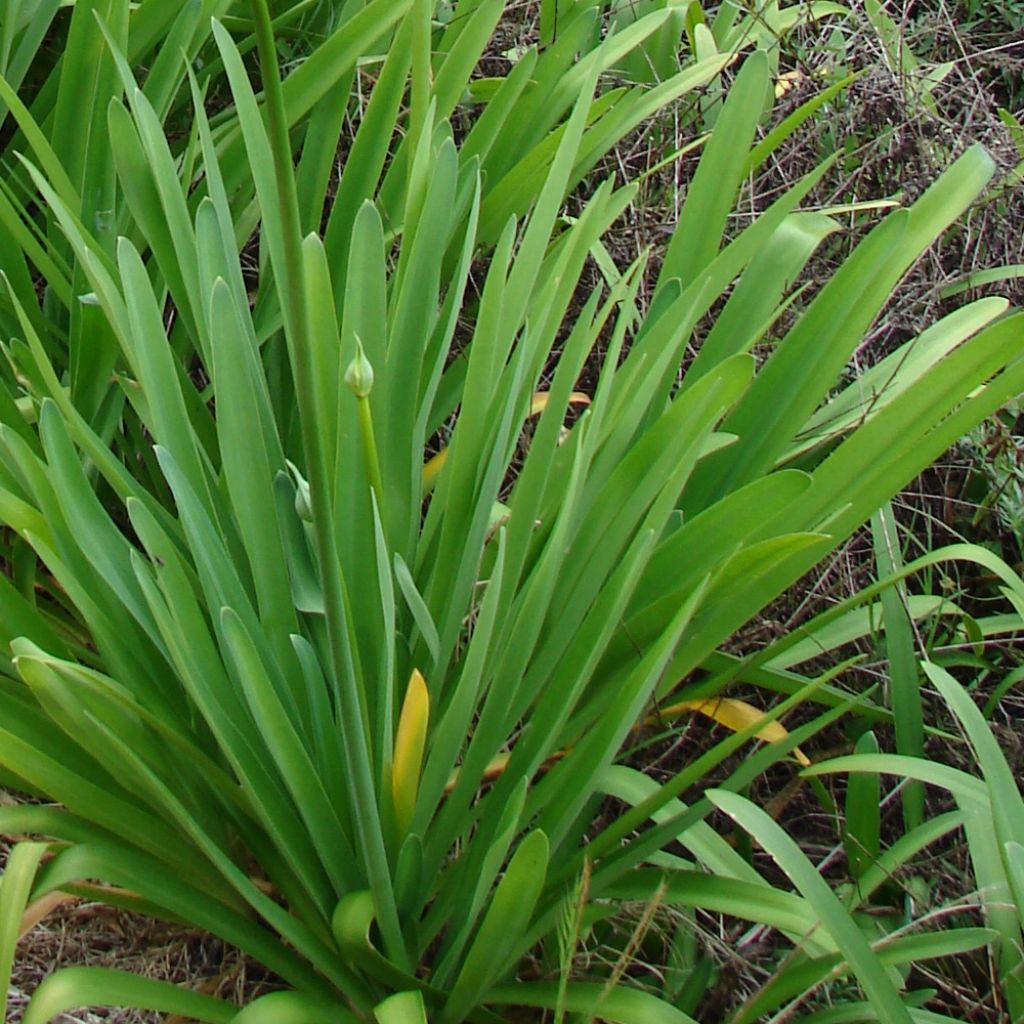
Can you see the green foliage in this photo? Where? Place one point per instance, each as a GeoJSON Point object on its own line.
{"type": "Point", "coordinates": [277, 688]}
{"type": "Point", "coordinates": [991, 812]}
{"type": "Point", "coordinates": [1009, 12]}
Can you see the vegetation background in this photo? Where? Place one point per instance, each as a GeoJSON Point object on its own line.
{"type": "Point", "coordinates": [929, 80]}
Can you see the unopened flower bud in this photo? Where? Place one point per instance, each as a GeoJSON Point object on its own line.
{"type": "Point", "coordinates": [303, 504]}
{"type": "Point", "coordinates": [359, 375]}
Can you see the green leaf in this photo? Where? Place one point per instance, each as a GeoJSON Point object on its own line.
{"type": "Point", "coordinates": [506, 920]}
{"type": "Point", "coordinates": [904, 679]}
{"type": "Point", "coordinates": [722, 168]}
{"type": "Point", "coordinates": [289, 752]}
{"type": "Point", "coordinates": [251, 458]}
{"type": "Point", "coordinates": [401, 1008]}
{"type": "Point", "coordinates": [1005, 794]}
{"type": "Point", "coordinates": [749, 900]}
{"type": "Point", "coordinates": [1014, 855]}
{"type": "Point", "coordinates": [844, 930]}
{"type": "Point", "coordinates": [795, 379]}
{"type": "Point", "coordinates": [863, 814]}
{"type": "Point", "coordinates": [620, 1005]}
{"type": "Point", "coordinates": [418, 607]}
{"type": "Point", "coordinates": [293, 1008]}
{"type": "Point", "coordinates": [15, 892]}
{"type": "Point", "coordinates": [352, 925]}
{"type": "Point", "coordinates": [74, 987]}
{"type": "Point", "coordinates": [89, 81]}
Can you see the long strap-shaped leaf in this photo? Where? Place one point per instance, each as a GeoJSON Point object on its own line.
{"type": "Point", "coordinates": [74, 987]}
{"type": "Point", "coordinates": [88, 76]}
{"type": "Point", "coordinates": [712, 194]}
{"type": "Point", "coordinates": [790, 858]}
{"type": "Point", "coordinates": [506, 920]}
{"type": "Point", "coordinates": [808, 360]}
{"type": "Point", "coordinates": [15, 892]}
{"type": "Point", "coordinates": [619, 1005]}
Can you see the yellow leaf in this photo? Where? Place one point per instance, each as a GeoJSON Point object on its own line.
{"type": "Point", "coordinates": [433, 468]}
{"type": "Point", "coordinates": [788, 80]}
{"type": "Point", "coordinates": [410, 741]}
{"type": "Point", "coordinates": [540, 401]}
{"type": "Point", "coordinates": [735, 715]}
{"type": "Point", "coordinates": [497, 765]}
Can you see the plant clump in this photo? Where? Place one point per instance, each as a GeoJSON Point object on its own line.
{"type": "Point", "coordinates": [305, 648]}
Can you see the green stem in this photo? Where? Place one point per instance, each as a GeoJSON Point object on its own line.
{"type": "Point", "coordinates": [354, 733]}
{"type": "Point", "coordinates": [370, 452]}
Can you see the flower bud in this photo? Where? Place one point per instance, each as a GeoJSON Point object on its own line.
{"type": "Point", "coordinates": [359, 375]}
{"type": "Point", "coordinates": [303, 504]}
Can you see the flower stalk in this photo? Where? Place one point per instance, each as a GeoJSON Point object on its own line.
{"type": "Point", "coordinates": [297, 330]}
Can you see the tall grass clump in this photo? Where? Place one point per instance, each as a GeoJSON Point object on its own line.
{"type": "Point", "coordinates": [275, 673]}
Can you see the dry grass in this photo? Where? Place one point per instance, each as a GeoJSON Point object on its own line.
{"type": "Point", "coordinates": [90, 934]}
